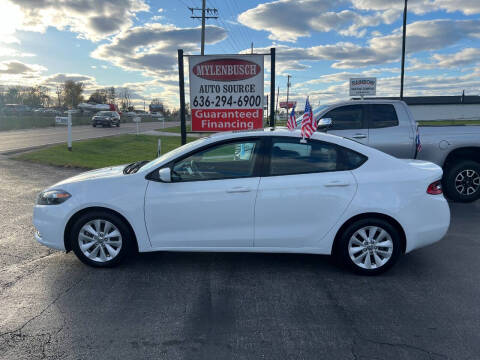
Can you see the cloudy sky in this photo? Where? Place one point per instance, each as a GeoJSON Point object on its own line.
{"type": "Point", "coordinates": [321, 43]}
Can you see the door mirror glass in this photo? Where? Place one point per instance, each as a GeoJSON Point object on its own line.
{"type": "Point", "coordinates": [324, 123]}
{"type": "Point", "coordinates": [165, 174]}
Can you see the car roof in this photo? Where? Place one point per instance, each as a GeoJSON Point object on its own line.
{"type": "Point", "coordinates": [283, 131]}
{"type": "Point", "coordinates": [366, 101]}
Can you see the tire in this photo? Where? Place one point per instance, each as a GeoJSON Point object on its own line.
{"type": "Point", "coordinates": [118, 124]}
{"type": "Point", "coordinates": [94, 125]}
{"type": "Point", "coordinates": [111, 250]}
{"type": "Point", "coordinates": [386, 255]}
{"type": "Point", "coordinates": [461, 182]}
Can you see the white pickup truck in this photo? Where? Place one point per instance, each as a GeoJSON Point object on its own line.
{"type": "Point", "coordinates": [388, 125]}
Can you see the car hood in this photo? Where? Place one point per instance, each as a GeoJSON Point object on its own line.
{"type": "Point", "coordinates": [104, 173]}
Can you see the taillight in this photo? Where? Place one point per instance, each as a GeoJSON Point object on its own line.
{"type": "Point", "coordinates": [435, 188]}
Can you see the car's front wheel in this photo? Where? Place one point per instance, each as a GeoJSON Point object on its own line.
{"type": "Point", "coordinates": [101, 239]}
{"type": "Point", "coordinates": [369, 246]}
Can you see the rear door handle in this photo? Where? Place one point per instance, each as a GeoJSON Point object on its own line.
{"type": "Point", "coordinates": [359, 136]}
{"type": "Point", "coordinates": [337, 183]}
{"type": "Point", "coordinates": [239, 189]}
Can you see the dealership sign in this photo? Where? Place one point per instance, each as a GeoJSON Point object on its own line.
{"type": "Point", "coordinates": [226, 92]}
{"type": "Point", "coordinates": [363, 86]}
{"type": "Point", "coordinates": [291, 104]}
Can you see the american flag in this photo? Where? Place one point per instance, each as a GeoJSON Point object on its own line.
{"type": "Point", "coordinates": [309, 125]}
{"type": "Point", "coordinates": [291, 124]}
{"type": "Point", "coordinates": [417, 142]}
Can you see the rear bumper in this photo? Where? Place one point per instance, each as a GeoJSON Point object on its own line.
{"type": "Point", "coordinates": [429, 223]}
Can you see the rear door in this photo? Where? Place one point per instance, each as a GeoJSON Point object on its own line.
{"type": "Point", "coordinates": [387, 133]}
{"type": "Point", "coordinates": [305, 190]}
{"type": "Point", "coordinates": [349, 121]}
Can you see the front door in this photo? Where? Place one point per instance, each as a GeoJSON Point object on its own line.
{"type": "Point", "coordinates": [349, 121]}
{"type": "Point", "coordinates": [210, 201]}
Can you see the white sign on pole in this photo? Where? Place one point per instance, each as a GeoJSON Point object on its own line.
{"type": "Point", "coordinates": [61, 120]}
{"type": "Point", "coordinates": [226, 92]}
{"type": "Point", "coordinates": [363, 86]}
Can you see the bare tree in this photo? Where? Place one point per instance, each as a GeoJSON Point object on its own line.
{"type": "Point", "coordinates": [125, 99]}
{"type": "Point", "coordinates": [59, 92]}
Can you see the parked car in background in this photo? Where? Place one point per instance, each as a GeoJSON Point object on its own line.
{"type": "Point", "coordinates": [106, 118]}
{"type": "Point", "coordinates": [388, 125]}
{"type": "Point", "coordinates": [157, 115]}
{"type": "Point", "coordinates": [11, 109]}
{"type": "Point", "coordinates": [329, 195]}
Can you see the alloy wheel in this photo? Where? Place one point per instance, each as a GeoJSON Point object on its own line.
{"type": "Point", "coordinates": [100, 240]}
{"type": "Point", "coordinates": [370, 247]}
{"type": "Point", "coordinates": [467, 182]}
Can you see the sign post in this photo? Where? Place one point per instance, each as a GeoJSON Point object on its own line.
{"type": "Point", "coordinates": [66, 120]}
{"type": "Point", "coordinates": [226, 92]}
{"type": "Point", "coordinates": [136, 120]}
{"type": "Point", "coordinates": [363, 87]}
{"type": "Point", "coordinates": [272, 87]}
{"type": "Point", "coordinates": [69, 131]}
{"type": "Point", "coordinates": [181, 84]}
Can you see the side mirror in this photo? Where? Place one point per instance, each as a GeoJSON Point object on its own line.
{"type": "Point", "coordinates": [165, 174]}
{"type": "Point", "coordinates": [324, 123]}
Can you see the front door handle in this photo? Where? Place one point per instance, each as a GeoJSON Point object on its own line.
{"type": "Point", "coordinates": [359, 136]}
{"type": "Point", "coordinates": [336, 183]}
{"type": "Point", "coordinates": [239, 189]}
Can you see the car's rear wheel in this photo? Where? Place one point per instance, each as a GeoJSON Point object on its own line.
{"type": "Point", "coordinates": [369, 246]}
{"type": "Point", "coordinates": [462, 181]}
{"type": "Point", "coordinates": [94, 125]}
{"type": "Point", "coordinates": [101, 239]}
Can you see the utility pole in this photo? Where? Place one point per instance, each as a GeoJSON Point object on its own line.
{"type": "Point", "coordinates": [276, 106]}
{"type": "Point", "coordinates": [288, 87]}
{"type": "Point", "coordinates": [251, 49]}
{"type": "Point", "coordinates": [403, 49]}
{"type": "Point", "coordinates": [204, 10]}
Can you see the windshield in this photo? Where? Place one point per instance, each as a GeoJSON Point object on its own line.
{"type": "Point", "coordinates": [316, 113]}
{"type": "Point", "coordinates": [171, 154]}
{"type": "Point", "coordinates": [104, 113]}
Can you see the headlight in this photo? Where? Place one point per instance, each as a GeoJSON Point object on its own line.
{"type": "Point", "coordinates": [52, 197]}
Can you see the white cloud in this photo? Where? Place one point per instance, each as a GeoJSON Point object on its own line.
{"type": "Point", "coordinates": [91, 19]}
{"type": "Point", "coordinates": [19, 68]}
{"type": "Point", "coordinates": [287, 20]}
{"type": "Point", "coordinates": [152, 48]}
{"type": "Point", "coordinates": [468, 7]}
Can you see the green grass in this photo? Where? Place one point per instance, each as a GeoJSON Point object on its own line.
{"type": "Point", "coordinates": [97, 153]}
{"type": "Point", "coordinates": [449, 122]}
{"type": "Point", "coordinates": [176, 129]}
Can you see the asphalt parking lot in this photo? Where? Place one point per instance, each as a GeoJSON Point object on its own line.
{"type": "Point", "coordinates": [230, 306]}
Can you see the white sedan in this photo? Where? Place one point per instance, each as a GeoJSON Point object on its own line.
{"type": "Point", "coordinates": [257, 191]}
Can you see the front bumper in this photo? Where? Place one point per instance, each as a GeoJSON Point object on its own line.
{"type": "Point", "coordinates": [102, 122]}
{"type": "Point", "coordinates": [50, 226]}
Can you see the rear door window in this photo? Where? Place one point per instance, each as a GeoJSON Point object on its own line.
{"type": "Point", "coordinates": [382, 116]}
{"type": "Point", "coordinates": [289, 156]}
